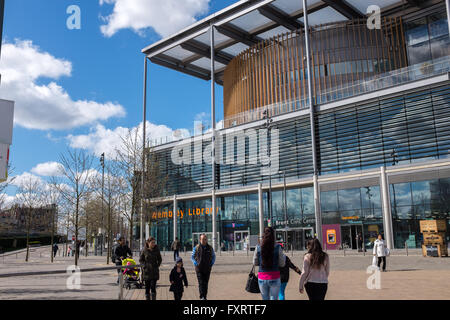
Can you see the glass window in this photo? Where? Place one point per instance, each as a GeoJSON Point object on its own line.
{"type": "Point", "coordinates": [417, 32]}
{"type": "Point", "coordinates": [438, 25]}
{"type": "Point", "coordinates": [349, 199]}
{"type": "Point", "coordinates": [401, 194]}
{"type": "Point", "coordinates": [371, 198]}
{"type": "Point", "coordinates": [421, 192]}
{"type": "Point", "coordinates": [307, 198]}
{"type": "Point", "coordinates": [329, 201]}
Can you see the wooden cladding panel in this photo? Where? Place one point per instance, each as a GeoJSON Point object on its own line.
{"type": "Point", "coordinates": [272, 73]}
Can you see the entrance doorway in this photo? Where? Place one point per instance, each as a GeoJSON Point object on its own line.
{"type": "Point", "coordinates": [349, 235]}
{"type": "Point", "coordinates": [241, 239]}
{"type": "Point", "coordinates": [295, 238]}
{"type": "Point", "coordinates": [196, 238]}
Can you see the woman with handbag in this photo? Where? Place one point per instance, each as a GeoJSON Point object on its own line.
{"type": "Point", "coordinates": [380, 251]}
{"type": "Point", "coordinates": [269, 258]}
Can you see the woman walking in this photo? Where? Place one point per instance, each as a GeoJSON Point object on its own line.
{"type": "Point", "coordinates": [269, 258]}
{"type": "Point", "coordinates": [177, 278]}
{"type": "Point", "coordinates": [316, 268]}
{"type": "Point", "coordinates": [284, 276]}
{"type": "Point", "coordinates": [379, 251]}
{"type": "Point", "coordinates": [151, 259]}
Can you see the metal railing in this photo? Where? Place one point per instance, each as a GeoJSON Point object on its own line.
{"type": "Point", "coordinates": [53, 272]}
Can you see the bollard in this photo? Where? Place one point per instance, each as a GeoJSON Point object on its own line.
{"type": "Point", "coordinates": [344, 251]}
{"type": "Point", "coordinates": [121, 286]}
{"type": "Point", "coordinates": [406, 247]}
{"type": "Point", "coordinates": [184, 250]}
{"type": "Point", "coordinates": [292, 251]}
{"type": "Point", "coordinates": [364, 249]}
{"type": "Point", "coordinates": [233, 251]}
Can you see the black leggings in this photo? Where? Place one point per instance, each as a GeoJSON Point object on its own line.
{"type": "Point", "coordinates": [177, 295]}
{"type": "Point", "coordinates": [150, 285]}
{"type": "Point", "coordinates": [316, 291]}
{"type": "Point", "coordinates": [203, 279]}
{"type": "Point", "coordinates": [384, 262]}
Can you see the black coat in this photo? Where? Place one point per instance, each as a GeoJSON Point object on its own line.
{"type": "Point", "coordinates": [284, 271]}
{"type": "Point", "coordinates": [178, 279]}
{"type": "Point", "coordinates": [151, 259]}
{"type": "Point", "coordinates": [122, 251]}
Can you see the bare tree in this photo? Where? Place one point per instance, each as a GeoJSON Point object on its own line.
{"type": "Point", "coordinates": [4, 185]}
{"type": "Point", "coordinates": [129, 162]}
{"type": "Point", "coordinates": [29, 195]}
{"type": "Point", "coordinates": [53, 198]}
{"type": "Point", "coordinates": [76, 171]}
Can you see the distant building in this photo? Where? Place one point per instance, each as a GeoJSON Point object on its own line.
{"type": "Point", "coordinates": [13, 222]}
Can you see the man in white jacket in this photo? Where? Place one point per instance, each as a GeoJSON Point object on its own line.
{"type": "Point", "coordinates": [379, 251]}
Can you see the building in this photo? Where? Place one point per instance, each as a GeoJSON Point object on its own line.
{"type": "Point", "coordinates": [368, 153]}
{"type": "Point", "coordinates": [6, 116]}
{"type": "Point", "coordinates": [14, 222]}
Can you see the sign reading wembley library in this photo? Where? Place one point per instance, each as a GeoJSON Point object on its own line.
{"type": "Point", "coordinates": [6, 128]}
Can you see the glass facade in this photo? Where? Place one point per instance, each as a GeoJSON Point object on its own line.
{"type": "Point", "coordinates": [356, 210]}
{"type": "Point", "coordinates": [400, 130]}
{"type": "Point", "coordinates": [414, 201]}
{"type": "Point", "coordinates": [427, 38]}
{"type": "Point", "coordinates": [408, 128]}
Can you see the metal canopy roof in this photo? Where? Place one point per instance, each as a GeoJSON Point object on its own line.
{"type": "Point", "coordinates": [246, 23]}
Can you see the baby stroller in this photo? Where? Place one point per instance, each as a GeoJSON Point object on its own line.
{"type": "Point", "coordinates": [132, 276]}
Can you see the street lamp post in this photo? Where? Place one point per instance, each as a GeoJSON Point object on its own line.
{"type": "Point", "coordinates": [102, 163]}
{"type": "Point", "coordinates": [268, 127]}
{"type": "Point", "coordinates": [394, 161]}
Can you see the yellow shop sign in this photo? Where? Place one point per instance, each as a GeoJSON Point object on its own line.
{"type": "Point", "coordinates": [181, 213]}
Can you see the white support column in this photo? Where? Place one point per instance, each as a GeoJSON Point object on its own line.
{"type": "Point", "coordinates": [214, 227]}
{"type": "Point", "coordinates": [144, 119]}
{"type": "Point", "coordinates": [387, 215]}
{"type": "Point", "coordinates": [213, 143]}
{"type": "Point", "coordinates": [261, 210]}
{"type": "Point", "coordinates": [317, 213]}
{"type": "Point", "coordinates": [174, 214]}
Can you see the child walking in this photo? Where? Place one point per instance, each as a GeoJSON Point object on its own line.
{"type": "Point", "coordinates": [177, 278]}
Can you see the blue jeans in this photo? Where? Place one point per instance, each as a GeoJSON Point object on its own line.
{"type": "Point", "coordinates": [269, 289]}
{"type": "Point", "coordinates": [282, 288]}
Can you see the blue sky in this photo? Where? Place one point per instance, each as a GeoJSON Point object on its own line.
{"type": "Point", "coordinates": [103, 69]}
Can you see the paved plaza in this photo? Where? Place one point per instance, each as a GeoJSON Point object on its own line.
{"type": "Point", "coordinates": [408, 278]}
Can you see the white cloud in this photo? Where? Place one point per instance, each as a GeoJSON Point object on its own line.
{"type": "Point", "coordinates": [45, 106]}
{"type": "Point", "coordinates": [164, 16]}
{"type": "Point", "coordinates": [47, 169]}
{"type": "Point", "coordinates": [26, 178]}
{"type": "Point", "coordinates": [101, 139]}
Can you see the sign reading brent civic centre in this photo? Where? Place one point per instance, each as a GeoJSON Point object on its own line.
{"type": "Point", "coordinates": [195, 212]}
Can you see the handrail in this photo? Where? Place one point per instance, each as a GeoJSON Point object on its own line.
{"type": "Point", "coordinates": [37, 273]}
